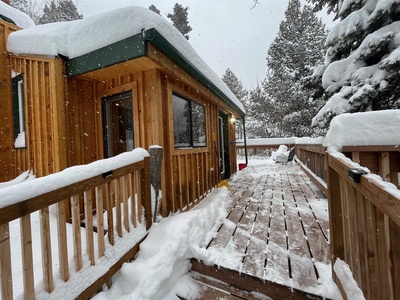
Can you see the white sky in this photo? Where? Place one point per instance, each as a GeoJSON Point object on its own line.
{"type": "Point", "coordinates": [226, 33]}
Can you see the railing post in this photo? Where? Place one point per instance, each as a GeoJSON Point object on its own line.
{"type": "Point", "coordinates": [156, 155]}
{"type": "Point", "coordinates": [146, 191]}
{"type": "Point", "coordinates": [5, 263]}
{"type": "Point", "coordinates": [335, 216]}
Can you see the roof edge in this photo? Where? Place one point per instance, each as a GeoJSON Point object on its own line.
{"type": "Point", "coordinates": [118, 52]}
{"type": "Point", "coordinates": [156, 39]}
{"type": "Point", "coordinates": [7, 19]}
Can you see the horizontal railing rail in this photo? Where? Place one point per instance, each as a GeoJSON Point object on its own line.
{"type": "Point", "coordinates": [106, 210]}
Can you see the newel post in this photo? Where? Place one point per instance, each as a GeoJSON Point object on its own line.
{"type": "Point", "coordinates": [156, 155]}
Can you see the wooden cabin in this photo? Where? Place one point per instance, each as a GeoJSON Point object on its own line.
{"type": "Point", "coordinates": [149, 88]}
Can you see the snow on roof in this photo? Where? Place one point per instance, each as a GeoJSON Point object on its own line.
{"type": "Point", "coordinates": [19, 18]}
{"type": "Point", "coordinates": [374, 128]}
{"type": "Point", "coordinates": [76, 38]}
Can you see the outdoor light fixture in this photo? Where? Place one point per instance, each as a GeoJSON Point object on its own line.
{"type": "Point", "coordinates": [233, 120]}
{"type": "Point", "coordinates": [356, 173]}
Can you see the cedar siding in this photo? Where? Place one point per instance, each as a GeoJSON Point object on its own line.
{"type": "Point", "coordinates": [65, 121]}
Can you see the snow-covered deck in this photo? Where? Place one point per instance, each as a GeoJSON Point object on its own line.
{"type": "Point", "coordinates": [275, 238]}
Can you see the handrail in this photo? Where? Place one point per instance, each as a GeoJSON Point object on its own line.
{"type": "Point", "coordinates": [121, 194]}
{"type": "Point", "coordinates": [365, 225]}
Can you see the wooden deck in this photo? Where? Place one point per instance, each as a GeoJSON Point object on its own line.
{"type": "Point", "coordinates": [275, 236]}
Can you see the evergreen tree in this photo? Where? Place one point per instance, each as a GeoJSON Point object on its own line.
{"type": "Point", "coordinates": [260, 121]}
{"type": "Point", "coordinates": [31, 7]}
{"type": "Point", "coordinates": [241, 93]}
{"type": "Point", "coordinates": [180, 19]}
{"type": "Point", "coordinates": [235, 85]}
{"type": "Point", "coordinates": [59, 11]}
{"type": "Point", "coordinates": [362, 65]}
{"type": "Point", "coordinates": [292, 56]}
{"type": "Point", "coordinates": [155, 9]}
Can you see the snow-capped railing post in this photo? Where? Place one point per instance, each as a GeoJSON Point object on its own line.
{"type": "Point", "coordinates": [156, 155]}
{"type": "Point", "coordinates": [146, 191]}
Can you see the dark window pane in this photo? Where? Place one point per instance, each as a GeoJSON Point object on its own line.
{"type": "Point", "coordinates": [198, 125]}
{"type": "Point", "coordinates": [118, 113]}
{"type": "Point", "coordinates": [181, 110]}
{"type": "Point", "coordinates": [18, 111]}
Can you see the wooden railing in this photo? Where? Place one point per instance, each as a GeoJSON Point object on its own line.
{"type": "Point", "coordinates": [312, 159]}
{"type": "Point", "coordinates": [122, 195]}
{"type": "Point", "coordinates": [365, 225]}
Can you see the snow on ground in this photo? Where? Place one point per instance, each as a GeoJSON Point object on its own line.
{"type": "Point", "coordinates": [345, 276]}
{"type": "Point", "coordinates": [160, 270]}
{"type": "Point", "coordinates": [161, 267]}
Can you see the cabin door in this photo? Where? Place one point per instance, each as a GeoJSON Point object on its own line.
{"type": "Point", "coordinates": [223, 140]}
{"type": "Point", "coordinates": [117, 124]}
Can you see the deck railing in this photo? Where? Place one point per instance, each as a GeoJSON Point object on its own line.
{"type": "Point", "coordinates": [122, 212]}
{"type": "Point", "coordinates": [365, 216]}
{"type": "Point", "coordinates": [365, 225]}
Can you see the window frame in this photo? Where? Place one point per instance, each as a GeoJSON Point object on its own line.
{"type": "Point", "coordinates": [18, 104]}
{"type": "Point", "coordinates": [109, 100]}
{"type": "Point", "coordinates": [192, 143]}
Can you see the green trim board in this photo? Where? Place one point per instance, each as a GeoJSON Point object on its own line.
{"type": "Point", "coordinates": [135, 47]}
{"type": "Point", "coordinates": [7, 19]}
{"type": "Point", "coordinates": [118, 52]}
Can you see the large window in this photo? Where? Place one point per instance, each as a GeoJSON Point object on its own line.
{"type": "Point", "coordinates": [118, 124]}
{"type": "Point", "coordinates": [18, 111]}
{"type": "Point", "coordinates": [189, 123]}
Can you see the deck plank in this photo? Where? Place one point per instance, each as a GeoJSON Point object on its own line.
{"type": "Point", "coordinates": [277, 268]}
{"type": "Point", "coordinates": [254, 261]}
{"type": "Point", "coordinates": [277, 228]}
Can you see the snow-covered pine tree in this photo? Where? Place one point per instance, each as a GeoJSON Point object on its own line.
{"type": "Point", "coordinates": [58, 11]}
{"type": "Point", "coordinates": [240, 92]}
{"type": "Point", "coordinates": [362, 65]}
{"type": "Point", "coordinates": [235, 85]}
{"type": "Point", "coordinates": [155, 9]}
{"type": "Point", "coordinates": [260, 123]}
{"type": "Point", "coordinates": [297, 48]}
{"type": "Point", "coordinates": [32, 8]}
{"type": "Point", "coordinates": [180, 19]}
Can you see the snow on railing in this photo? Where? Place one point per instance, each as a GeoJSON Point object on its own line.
{"type": "Point", "coordinates": [110, 211]}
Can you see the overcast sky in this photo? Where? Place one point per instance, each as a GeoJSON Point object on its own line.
{"type": "Point", "coordinates": [226, 33]}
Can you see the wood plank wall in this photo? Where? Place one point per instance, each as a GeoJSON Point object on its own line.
{"type": "Point", "coordinates": [7, 168]}
{"type": "Point", "coordinates": [187, 175]}
{"type": "Point", "coordinates": [45, 151]}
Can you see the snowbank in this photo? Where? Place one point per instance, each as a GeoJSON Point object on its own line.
{"type": "Point", "coordinates": [20, 19]}
{"type": "Point", "coordinates": [364, 129]}
{"type": "Point", "coordinates": [164, 256]}
{"type": "Point", "coordinates": [345, 276]}
{"type": "Point", "coordinates": [79, 37]}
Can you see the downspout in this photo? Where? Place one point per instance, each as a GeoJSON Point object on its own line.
{"type": "Point", "coordinates": [245, 143]}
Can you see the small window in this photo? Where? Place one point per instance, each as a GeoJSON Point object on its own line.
{"type": "Point", "coordinates": [18, 111]}
{"type": "Point", "coordinates": [189, 123]}
{"type": "Point", "coordinates": [118, 124]}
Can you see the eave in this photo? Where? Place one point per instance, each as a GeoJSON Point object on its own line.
{"type": "Point", "coordinates": [135, 47]}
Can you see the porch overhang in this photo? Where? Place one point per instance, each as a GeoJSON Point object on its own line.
{"type": "Point", "coordinates": [136, 47]}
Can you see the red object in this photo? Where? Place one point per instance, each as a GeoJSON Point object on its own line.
{"type": "Point", "coordinates": [242, 166]}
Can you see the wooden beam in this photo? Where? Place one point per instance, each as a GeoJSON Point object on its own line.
{"type": "Point", "coordinates": [250, 283]}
